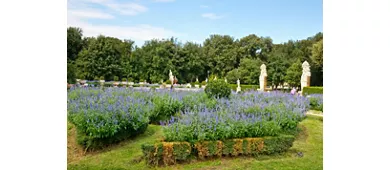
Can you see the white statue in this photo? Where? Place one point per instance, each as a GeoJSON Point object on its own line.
{"type": "Point", "coordinates": [305, 78]}
{"type": "Point", "coordinates": [197, 79]}
{"type": "Point", "coordinates": [238, 85]}
{"type": "Point", "coordinates": [225, 80]}
{"type": "Point", "coordinates": [171, 76]}
{"type": "Point", "coordinates": [207, 80]}
{"type": "Point", "coordinates": [263, 77]}
{"type": "Point", "coordinates": [215, 78]}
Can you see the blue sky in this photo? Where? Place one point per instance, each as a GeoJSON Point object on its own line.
{"type": "Point", "coordinates": [195, 20]}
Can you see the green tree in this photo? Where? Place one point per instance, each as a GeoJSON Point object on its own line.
{"type": "Point", "coordinates": [221, 54]}
{"type": "Point", "coordinates": [277, 69]}
{"type": "Point", "coordinates": [103, 57]}
{"type": "Point", "coordinates": [317, 54]}
{"type": "Point", "coordinates": [74, 42]}
{"type": "Point", "coordinates": [293, 74]}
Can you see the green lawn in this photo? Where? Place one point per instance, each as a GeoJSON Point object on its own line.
{"type": "Point", "coordinates": [127, 155]}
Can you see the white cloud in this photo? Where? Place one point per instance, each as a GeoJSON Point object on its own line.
{"type": "Point", "coordinates": [90, 14]}
{"type": "Point", "coordinates": [79, 11]}
{"type": "Point", "coordinates": [138, 33]}
{"type": "Point", "coordinates": [128, 8]}
{"type": "Point", "coordinates": [204, 6]}
{"type": "Point", "coordinates": [211, 16]}
{"type": "Point", "coordinates": [122, 8]}
{"type": "Point", "coordinates": [164, 0]}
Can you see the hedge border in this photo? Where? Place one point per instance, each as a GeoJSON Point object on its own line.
{"type": "Point", "coordinates": [312, 90]}
{"type": "Point", "coordinates": [169, 153]}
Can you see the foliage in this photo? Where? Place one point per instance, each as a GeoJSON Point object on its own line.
{"type": "Point", "coordinates": [101, 78]}
{"type": "Point", "coordinates": [317, 54]}
{"type": "Point", "coordinates": [203, 83]}
{"type": "Point", "coordinates": [251, 114]}
{"type": "Point", "coordinates": [128, 155]}
{"type": "Point", "coordinates": [244, 87]}
{"type": "Point", "coordinates": [105, 117]}
{"type": "Point", "coordinates": [293, 74]}
{"type": "Point", "coordinates": [248, 72]}
{"type": "Point", "coordinates": [218, 88]}
{"type": "Point", "coordinates": [71, 75]}
{"type": "Point", "coordinates": [167, 153]}
{"type": "Point", "coordinates": [164, 106]}
{"type": "Point", "coordinates": [312, 90]}
{"type": "Point", "coordinates": [74, 42]}
{"type": "Point", "coordinates": [116, 78]}
{"type": "Point", "coordinates": [316, 102]}
{"type": "Point", "coordinates": [220, 55]}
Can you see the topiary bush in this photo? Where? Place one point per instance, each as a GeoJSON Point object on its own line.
{"type": "Point", "coordinates": [218, 89]}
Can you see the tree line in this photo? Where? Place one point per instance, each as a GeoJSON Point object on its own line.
{"type": "Point", "coordinates": [219, 55]}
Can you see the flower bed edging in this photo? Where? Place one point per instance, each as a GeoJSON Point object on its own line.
{"type": "Point", "coordinates": [168, 153]}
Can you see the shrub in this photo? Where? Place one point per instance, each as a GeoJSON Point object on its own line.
{"type": "Point", "coordinates": [203, 83]}
{"type": "Point", "coordinates": [251, 114]}
{"type": "Point", "coordinates": [105, 117]}
{"type": "Point", "coordinates": [124, 79]}
{"type": "Point", "coordinates": [163, 108]}
{"type": "Point", "coordinates": [244, 87]}
{"type": "Point", "coordinates": [168, 153]}
{"type": "Point", "coordinates": [101, 77]}
{"type": "Point", "coordinates": [168, 82]}
{"type": "Point", "coordinates": [316, 102]}
{"type": "Point", "coordinates": [218, 89]}
{"type": "Point", "coordinates": [116, 78]}
{"type": "Point", "coordinates": [312, 90]}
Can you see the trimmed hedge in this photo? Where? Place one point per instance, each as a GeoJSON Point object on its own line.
{"type": "Point", "coordinates": [312, 90]}
{"type": "Point", "coordinates": [168, 153]}
{"type": "Point", "coordinates": [244, 87]}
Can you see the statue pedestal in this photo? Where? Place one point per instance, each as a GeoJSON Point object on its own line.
{"type": "Point", "coordinates": [238, 89]}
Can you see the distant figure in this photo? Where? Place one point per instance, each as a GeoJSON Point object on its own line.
{"type": "Point", "coordinates": [293, 91]}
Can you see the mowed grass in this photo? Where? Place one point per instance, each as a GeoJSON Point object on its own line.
{"type": "Point", "coordinates": [128, 154]}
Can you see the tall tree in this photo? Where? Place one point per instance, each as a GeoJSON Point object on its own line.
{"type": "Point", "coordinates": [221, 54]}
{"type": "Point", "coordinates": [293, 74]}
{"type": "Point", "coordinates": [317, 54]}
{"type": "Point", "coordinates": [74, 46]}
{"type": "Point", "coordinates": [103, 57]}
{"type": "Point", "coordinates": [74, 42]}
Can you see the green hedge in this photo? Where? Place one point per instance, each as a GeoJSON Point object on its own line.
{"type": "Point", "coordinates": [244, 87]}
{"type": "Point", "coordinates": [312, 90]}
{"type": "Point", "coordinates": [168, 153]}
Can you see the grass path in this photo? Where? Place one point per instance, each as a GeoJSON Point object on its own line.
{"type": "Point", "coordinates": [127, 154]}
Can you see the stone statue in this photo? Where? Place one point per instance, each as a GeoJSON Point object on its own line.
{"type": "Point", "coordinates": [238, 85]}
{"type": "Point", "coordinates": [171, 77]}
{"type": "Point", "coordinates": [225, 80]}
{"type": "Point", "coordinates": [197, 79]}
{"type": "Point", "coordinates": [305, 78]}
{"type": "Point", "coordinates": [215, 78]}
{"type": "Point", "coordinates": [263, 77]}
{"type": "Point", "coordinates": [207, 80]}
